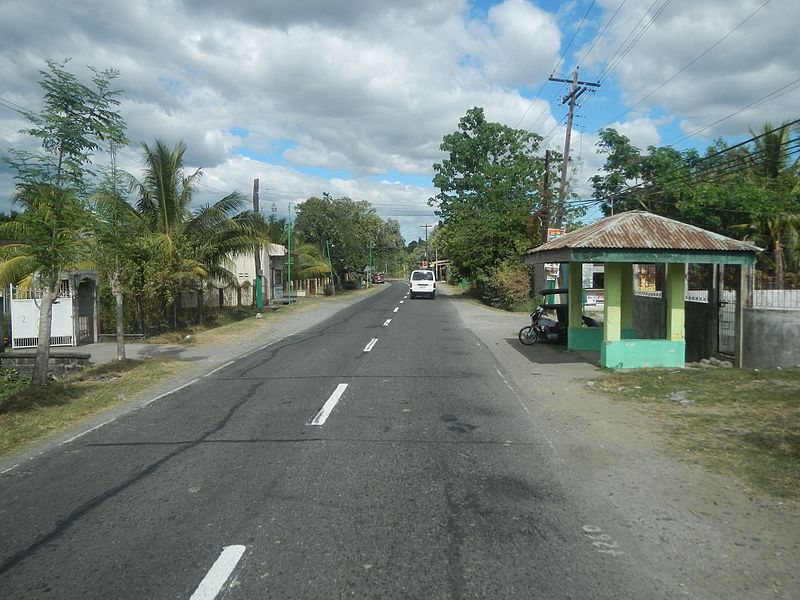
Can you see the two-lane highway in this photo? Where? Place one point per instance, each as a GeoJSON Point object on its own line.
{"type": "Point", "coordinates": [381, 454]}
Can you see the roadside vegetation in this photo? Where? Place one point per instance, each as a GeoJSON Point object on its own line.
{"type": "Point", "coordinates": [740, 422]}
{"type": "Point", "coordinates": [30, 413]}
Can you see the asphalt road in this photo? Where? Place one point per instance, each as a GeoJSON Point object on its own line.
{"type": "Point", "coordinates": [381, 454]}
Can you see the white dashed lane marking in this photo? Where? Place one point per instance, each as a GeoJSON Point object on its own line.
{"type": "Point", "coordinates": [327, 408]}
{"type": "Point", "coordinates": [219, 573]}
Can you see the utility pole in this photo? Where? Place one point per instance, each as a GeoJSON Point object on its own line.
{"type": "Point", "coordinates": [259, 272]}
{"type": "Point", "coordinates": [426, 226]}
{"type": "Point", "coordinates": [330, 266]}
{"type": "Point", "coordinates": [578, 88]}
{"type": "Point", "coordinates": [546, 196]}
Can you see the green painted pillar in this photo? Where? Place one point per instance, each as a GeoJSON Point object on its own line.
{"type": "Point", "coordinates": [675, 297]}
{"type": "Point", "coordinates": [612, 332]}
{"type": "Point", "coordinates": [626, 300]}
{"type": "Point", "coordinates": [575, 296]}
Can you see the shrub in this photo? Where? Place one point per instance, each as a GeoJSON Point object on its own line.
{"type": "Point", "coordinates": [506, 286]}
{"type": "Point", "coordinates": [11, 383]}
{"type": "Point", "coordinates": [350, 284]}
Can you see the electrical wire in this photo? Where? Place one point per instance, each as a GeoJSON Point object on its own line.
{"type": "Point", "coordinates": [714, 172]}
{"type": "Point", "coordinates": [558, 63]}
{"type": "Point", "coordinates": [616, 58]}
{"type": "Point", "coordinates": [597, 39]}
{"type": "Point", "coordinates": [771, 96]}
{"type": "Point", "coordinates": [689, 64]}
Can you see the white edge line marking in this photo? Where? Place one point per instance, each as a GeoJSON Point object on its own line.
{"type": "Point", "coordinates": [509, 386]}
{"type": "Point", "coordinates": [371, 344]}
{"type": "Point", "coordinates": [386, 323]}
{"type": "Point", "coordinates": [280, 339]}
{"type": "Point", "coordinates": [75, 437]}
{"type": "Point", "coordinates": [327, 408]}
{"type": "Point", "coordinates": [219, 368]}
{"type": "Point", "coordinates": [218, 574]}
{"type": "Point", "coordinates": [401, 301]}
{"type": "Point", "coordinates": [396, 308]}
{"type": "Point", "coordinates": [9, 469]}
{"type": "Point", "coordinates": [172, 391]}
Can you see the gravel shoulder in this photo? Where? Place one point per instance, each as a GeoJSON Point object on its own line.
{"type": "Point", "coordinates": [698, 531]}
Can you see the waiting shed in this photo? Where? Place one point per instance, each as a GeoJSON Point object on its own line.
{"type": "Point", "coordinates": [619, 241]}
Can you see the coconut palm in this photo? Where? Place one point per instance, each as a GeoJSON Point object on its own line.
{"type": "Point", "coordinates": [194, 243]}
{"type": "Point", "coordinates": [778, 177]}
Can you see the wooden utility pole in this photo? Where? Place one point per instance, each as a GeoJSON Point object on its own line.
{"type": "Point", "coordinates": [577, 89]}
{"type": "Point", "coordinates": [426, 226]}
{"type": "Point", "coordinates": [546, 196]}
{"type": "Point", "coordinates": [259, 273]}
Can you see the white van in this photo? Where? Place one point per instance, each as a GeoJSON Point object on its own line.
{"type": "Point", "coordinates": [423, 283]}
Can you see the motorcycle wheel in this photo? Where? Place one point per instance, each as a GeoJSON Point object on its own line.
{"type": "Point", "coordinates": [528, 336]}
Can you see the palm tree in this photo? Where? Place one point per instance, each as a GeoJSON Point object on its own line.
{"type": "Point", "coordinates": [195, 243]}
{"type": "Point", "coordinates": [778, 223]}
{"type": "Point", "coordinates": [50, 236]}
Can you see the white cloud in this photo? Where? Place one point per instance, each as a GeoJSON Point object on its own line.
{"type": "Point", "coordinates": [642, 132]}
{"type": "Point", "coordinates": [369, 87]}
{"type": "Point", "coordinates": [759, 57]}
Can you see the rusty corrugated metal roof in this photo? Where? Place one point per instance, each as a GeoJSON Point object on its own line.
{"type": "Point", "coordinates": [638, 229]}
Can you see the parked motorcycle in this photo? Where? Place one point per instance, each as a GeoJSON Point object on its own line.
{"type": "Point", "coordinates": [543, 328]}
{"type": "Point", "coordinates": [546, 329]}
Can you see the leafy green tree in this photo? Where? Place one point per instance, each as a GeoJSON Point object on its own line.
{"type": "Point", "coordinates": [488, 189]}
{"type": "Point", "coordinates": [349, 226]}
{"type": "Point", "coordinates": [49, 236]}
{"type": "Point", "coordinates": [75, 119]}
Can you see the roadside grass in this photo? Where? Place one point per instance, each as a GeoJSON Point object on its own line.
{"type": "Point", "coordinates": [30, 414]}
{"type": "Point", "coordinates": [231, 325]}
{"type": "Point", "coordinates": [739, 422]}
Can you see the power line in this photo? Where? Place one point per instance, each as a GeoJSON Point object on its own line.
{"type": "Point", "coordinates": [690, 63]}
{"type": "Point", "coordinates": [619, 54]}
{"type": "Point", "coordinates": [572, 39]}
{"type": "Point", "coordinates": [771, 96]}
{"type": "Point", "coordinates": [714, 172]}
{"type": "Point", "coordinates": [597, 39]}
{"type": "Point", "coordinates": [558, 63]}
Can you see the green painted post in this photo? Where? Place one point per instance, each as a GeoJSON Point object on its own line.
{"type": "Point", "coordinates": [613, 302]}
{"type": "Point", "coordinates": [289, 262]}
{"type": "Point", "coordinates": [575, 297]}
{"type": "Point", "coordinates": [675, 298]}
{"type": "Point", "coordinates": [259, 298]}
{"type": "Point", "coordinates": [626, 299]}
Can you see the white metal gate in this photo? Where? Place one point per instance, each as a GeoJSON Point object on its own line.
{"type": "Point", "coordinates": [25, 318]}
{"type": "Point", "coordinates": [726, 339]}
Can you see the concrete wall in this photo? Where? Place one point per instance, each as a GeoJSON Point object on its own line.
{"type": "Point", "coordinates": [770, 335]}
{"type": "Point", "coordinates": [771, 338]}
{"type": "Point", "coordinates": [60, 364]}
{"type": "Point", "coordinates": [650, 324]}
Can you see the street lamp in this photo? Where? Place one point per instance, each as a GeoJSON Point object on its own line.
{"type": "Point", "coordinates": [288, 261]}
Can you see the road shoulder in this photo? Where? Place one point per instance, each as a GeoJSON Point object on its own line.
{"type": "Point", "coordinates": [700, 530]}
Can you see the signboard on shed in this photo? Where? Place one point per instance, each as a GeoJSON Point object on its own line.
{"type": "Point", "coordinates": [552, 269]}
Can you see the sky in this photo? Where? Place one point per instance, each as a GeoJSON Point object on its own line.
{"type": "Point", "coordinates": [353, 97]}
